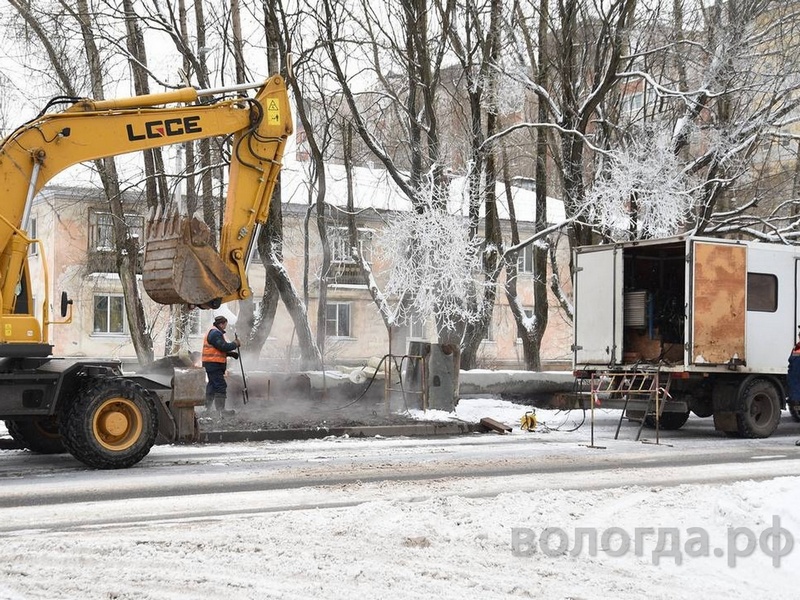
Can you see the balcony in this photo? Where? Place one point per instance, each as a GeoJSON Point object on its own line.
{"type": "Point", "coordinates": [104, 260]}
{"type": "Point", "coordinates": [346, 273]}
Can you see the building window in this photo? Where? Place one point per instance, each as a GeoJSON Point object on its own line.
{"type": "Point", "coordinates": [33, 249]}
{"type": "Point", "coordinates": [344, 270]}
{"type": "Point", "coordinates": [337, 319]}
{"type": "Point", "coordinates": [101, 229]}
{"type": "Point", "coordinates": [109, 314]}
{"type": "Point", "coordinates": [340, 244]}
{"type": "Point", "coordinates": [762, 292]}
{"type": "Point", "coordinates": [525, 259]}
{"type": "Point", "coordinates": [417, 329]}
{"type": "Point", "coordinates": [633, 103]}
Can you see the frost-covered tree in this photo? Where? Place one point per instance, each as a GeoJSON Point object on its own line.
{"type": "Point", "coordinates": [390, 61]}
{"type": "Point", "coordinates": [434, 270]}
{"type": "Point", "coordinates": [723, 86]}
{"type": "Point", "coordinates": [644, 192]}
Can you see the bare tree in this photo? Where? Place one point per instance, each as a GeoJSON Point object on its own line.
{"type": "Point", "coordinates": [716, 87]}
{"type": "Point", "coordinates": [747, 91]}
{"type": "Point", "coordinates": [531, 327]}
{"type": "Point", "coordinates": [478, 48]}
{"type": "Point", "coordinates": [127, 246]}
{"type": "Point", "coordinates": [405, 58]}
{"type": "Point", "coordinates": [280, 42]}
{"type": "Point", "coordinates": [157, 194]}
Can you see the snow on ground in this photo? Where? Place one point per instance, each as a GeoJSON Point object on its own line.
{"type": "Point", "coordinates": [448, 546]}
{"type": "Point", "coordinates": [472, 410]}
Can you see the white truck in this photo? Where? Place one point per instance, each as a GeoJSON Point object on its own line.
{"type": "Point", "coordinates": [687, 324]}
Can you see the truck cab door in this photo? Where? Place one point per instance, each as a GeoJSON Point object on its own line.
{"type": "Point", "coordinates": [598, 319]}
{"type": "Point", "coordinates": [718, 302]}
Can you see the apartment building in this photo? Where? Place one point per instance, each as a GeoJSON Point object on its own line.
{"type": "Point", "coordinates": [76, 231]}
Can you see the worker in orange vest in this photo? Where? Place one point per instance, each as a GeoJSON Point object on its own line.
{"type": "Point", "coordinates": [216, 350]}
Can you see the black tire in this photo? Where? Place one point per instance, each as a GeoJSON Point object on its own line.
{"type": "Point", "coordinates": [669, 421]}
{"type": "Point", "coordinates": [634, 415]}
{"type": "Point", "coordinates": [39, 435]}
{"type": "Point", "coordinates": [703, 408]}
{"type": "Point", "coordinates": [760, 410]}
{"type": "Point", "coordinates": [794, 410]}
{"type": "Point", "coordinates": [112, 423]}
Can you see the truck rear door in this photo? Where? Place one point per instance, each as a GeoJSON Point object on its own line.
{"type": "Point", "coordinates": [718, 307]}
{"type": "Point", "coordinates": [597, 292]}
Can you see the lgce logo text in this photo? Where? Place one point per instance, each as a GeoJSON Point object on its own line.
{"type": "Point", "coordinates": [165, 128]}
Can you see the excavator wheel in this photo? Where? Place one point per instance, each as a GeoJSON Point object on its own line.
{"type": "Point", "coordinates": [39, 435]}
{"type": "Point", "coordinates": [112, 423]}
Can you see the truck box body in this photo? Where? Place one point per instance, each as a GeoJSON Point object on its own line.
{"type": "Point", "coordinates": [714, 313]}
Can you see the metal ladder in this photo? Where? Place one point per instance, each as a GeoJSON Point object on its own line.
{"type": "Point", "coordinates": [639, 386]}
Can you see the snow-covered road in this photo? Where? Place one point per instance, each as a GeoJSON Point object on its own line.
{"type": "Point", "coordinates": [409, 518]}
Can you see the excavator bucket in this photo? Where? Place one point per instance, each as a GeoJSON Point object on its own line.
{"type": "Point", "coordinates": [180, 264]}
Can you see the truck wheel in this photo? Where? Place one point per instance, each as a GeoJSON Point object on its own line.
{"type": "Point", "coordinates": [669, 421]}
{"type": "Point", "coordinates": [37, 435]}
{"type": "Point", "coordinates": [761, 409]}
{"type": "Point", "coordinates": [112, 424]}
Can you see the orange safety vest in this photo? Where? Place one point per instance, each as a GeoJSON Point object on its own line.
{"type": "Point", "coordinates": [211, 354]}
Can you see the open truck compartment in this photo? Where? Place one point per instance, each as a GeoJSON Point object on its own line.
{"type": "Point", "coordinates": [683, 303]}
{"type": "Point", "coordinates": [653, 319]}
{"type": "Point", "coordinates": [664, 285]}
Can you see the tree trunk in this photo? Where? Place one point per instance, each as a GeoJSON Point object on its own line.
{"type": "Point", "coordinates": [127, 247]}
{"type": "Point", "coordinates": [269, 244]}
{"type": "Point", "coordinates": [476, 332]}
{"type": "Point", "coordinates": [532, 340]}
{"type": "Point", "coordinates": [309, 352]}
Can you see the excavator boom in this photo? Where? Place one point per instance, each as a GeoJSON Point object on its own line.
{"type": "Point", "coordinates": [181, 265]}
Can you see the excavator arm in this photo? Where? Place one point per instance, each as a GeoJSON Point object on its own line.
{"type": "Point", "coordinates": [181, 265]}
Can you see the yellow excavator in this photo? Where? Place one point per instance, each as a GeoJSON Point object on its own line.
{"type": "Point", "coordinates": [104, 418]}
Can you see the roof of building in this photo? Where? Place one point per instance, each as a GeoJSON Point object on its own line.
{"type": "Point", "coordinates": [374, 188]}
